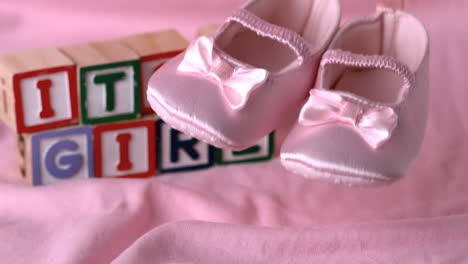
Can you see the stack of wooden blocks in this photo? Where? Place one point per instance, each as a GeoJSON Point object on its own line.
{"type": "Point", "coordinates": [81, 112]}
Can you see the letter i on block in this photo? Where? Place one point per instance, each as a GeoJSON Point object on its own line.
{"type": "Point", "coordinates": [262, 151]}
{"type": "Point", "coordinates": [154, 50]}
{"type": "Point", "coordinates": [37, 90]}
{"type": "Point", "coordinates": [108, 78]}
{"type": "Point", "coordinates": [178, 152]}
{"type": "Point", "coordinates": [125, 150]}
{"type": "Point", "coordinates": [53, 156]}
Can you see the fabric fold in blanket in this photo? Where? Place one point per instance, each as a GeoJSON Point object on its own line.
{"type": "Point", "coordinates": [413, 241]}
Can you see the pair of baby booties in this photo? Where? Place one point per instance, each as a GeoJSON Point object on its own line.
{"type": "Point", "coordinates": [362, 88]}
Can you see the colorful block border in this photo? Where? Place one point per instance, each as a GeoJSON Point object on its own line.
{"type": "Point", "coordinates": [20, 126]}
{"type": "Point", "coordinates": [98, 130]}
{"type": "Point", "coordinates": [158, 56]}
{"type": "Point", "coordinates": [271, 150]}
{"type": "Point", "coordinates": [211, 154]}
{"type": "Point", "coordinates": [36, 155]}
{"type": "Point", "coordinates": [83, 92]}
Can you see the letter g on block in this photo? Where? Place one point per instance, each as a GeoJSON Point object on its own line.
{"type": "Point", "coordinates": [64, 166]}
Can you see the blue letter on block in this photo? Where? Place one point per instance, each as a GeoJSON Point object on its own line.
{"type": "Point", "coordinates": [72, 162]}
{"type": "Point", "coordinates": [186, 145]}
{"type": "Point", "coordinates": [62, 154]}
{"type": "Point", "coordinates": [178, 152]}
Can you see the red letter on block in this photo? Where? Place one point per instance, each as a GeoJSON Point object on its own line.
{"type": "Point", "coordinates": [124, 163]}
{"type": "Point", "coordinates": [44, 88]}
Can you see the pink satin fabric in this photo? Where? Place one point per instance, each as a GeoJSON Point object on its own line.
{"type": "Point", "coordinates": [236, 82]}
{"type": "Point", "coordinates": [374, 124]}
{"type": "Point", "coordinates": [251, 213]}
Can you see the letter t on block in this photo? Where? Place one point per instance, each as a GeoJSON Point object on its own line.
{"type": "Point", "coordinates": [109, 81]}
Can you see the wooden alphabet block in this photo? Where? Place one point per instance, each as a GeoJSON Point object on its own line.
{"type": "Point", "coordinates": [262, 151]}
{"type": "Point", "coordinates": [178, 152]}
{"type": "Point", "coordinates": [154, 49]}
{"type": "Point", "coordinates": [125, 150]}
{"type": "Point", "coordinates": [392, 4]}
{"type": "Point", "coordinates": [108, 80]}
{"type": "Point", "coordinates": [38, 90]}
{"type": "Point", "coordinates": [58, 155]}
{"type": "Point", "coordinates": [207, 30]}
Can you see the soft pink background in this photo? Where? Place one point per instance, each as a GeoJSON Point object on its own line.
{"type": "Point", "coordinates": [263, 214]}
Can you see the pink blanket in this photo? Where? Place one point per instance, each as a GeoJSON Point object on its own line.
{"type": "Point", "coordinates": [247, 213]}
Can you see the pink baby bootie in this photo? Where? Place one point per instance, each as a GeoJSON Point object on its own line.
{"type": "Point", "coordinates": [232, 89]}
{"type": "Point", "coordinates": [364, 122]}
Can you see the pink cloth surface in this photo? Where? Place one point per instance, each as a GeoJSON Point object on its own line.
{"type": "Point", "coordinates": [256, 213]}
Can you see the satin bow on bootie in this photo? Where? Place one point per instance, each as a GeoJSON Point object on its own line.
{"type": "Point", "coordinates": [236, 82]}
{"type": "Point", "coordinates": [374, 124]}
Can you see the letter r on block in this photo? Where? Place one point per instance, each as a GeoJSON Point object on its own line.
{"type": "Point", "coordinates": [178, 152]}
